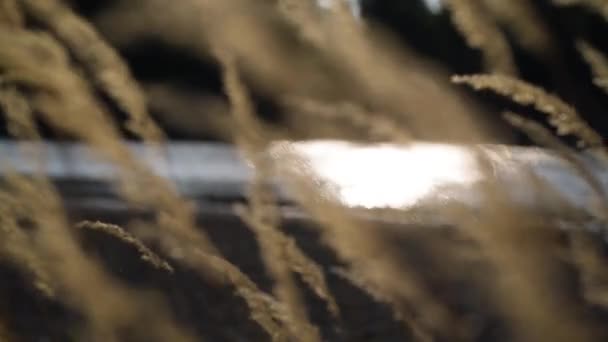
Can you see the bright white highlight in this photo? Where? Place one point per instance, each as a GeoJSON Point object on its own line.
{"type": "Point", "coordinates": [434, 6]}
{"type": "Point", "coordinates": [385, 175]}
{"type": "Point", "coordinates": [354, 5]}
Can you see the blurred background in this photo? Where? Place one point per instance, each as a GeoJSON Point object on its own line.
{"type": "Point", "coordinates": [185, 93]}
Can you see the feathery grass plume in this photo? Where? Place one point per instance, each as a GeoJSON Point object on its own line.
{"type": "Point", "coordinates": [561, 115]}
{"type": "Point", "coordinates": [472, 19]}
{"type": "Point", "coordinates": [358, 244]}
{"type": "Point", "coordinates": [520, 245]}
{"type": "Point", "coordinates": [598, 6]}
{"type": "Point", "coordinates": [373, 126]}
{"type": "Point", "coordinates": [265, 310]}
{"type": "Point", "coordinates": [273, 251]}
{"type": "Point", "coordinates": [66, 104]}
{"type": "Point", "coordinates": [118, 232]}
{"type": "Point", "coordinates": [99, 59]}
{"type": "Point", "coordinates": [63, 98]}
{"type": "Point", "coordinates": [544, 137]}
{"type": "Point", "coordinates": [81, 283]}
{"type": "Point", "coordinates": [598, 63]}
{"type": "Point", "coordinates": [521, 19]}
{"type": "Point", "coordinates": [262, 214]}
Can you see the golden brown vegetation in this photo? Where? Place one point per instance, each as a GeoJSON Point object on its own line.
{"type": "Point", "coordinates": [481, 32]}
{"type": "Point", "coordinates": [334, 75]}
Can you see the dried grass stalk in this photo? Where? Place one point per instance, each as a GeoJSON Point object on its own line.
{"type": "Point", "coordinates": [598, 63]}
{"type": "Point", "coordinates": [520, 245]}
{"type": "Point", "coordinates": [586, 252]}
{"type": "Point", "coordinates": [359, 245]}
{"type": "Point", "coordinates": [396, 82]}
{"type": "Point", "coordinates": [99, 59]}
{"type": "Point", "coordinates": [561, 115]}
{"type": "Point", "coordinates": [262, 214]}
{"type": "Point", "coordinates": [80, 281]}
{"type": "Point", "coordinates": [67, 105]}
{"type": "Point", "coordinates": [118, 232]}
{"type": "Point", "coordinates": [472, 19]}
{"type": "Point", "coordinates": [521, 19]}
{"type": "Point", "coordinates": [348, 62]}
{"type": "Point", "coordinates": [356, 277]}
{"type": "Point", "coordinates": [277, 264]}
{"type": "Point", "coordinates": [64, 98]}
{"type": "Point", "coordinates": [375, 126]}
{"type": "Point", "coordinates": [544, 137]}
{"type": "Point", "coordinates": [311, 273]}
{"type": "Point", "coordinates": [271, 315]}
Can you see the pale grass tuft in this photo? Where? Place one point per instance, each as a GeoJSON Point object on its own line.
{"type": "Point", "coordinates": [561, 115]}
